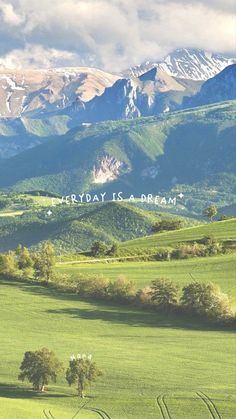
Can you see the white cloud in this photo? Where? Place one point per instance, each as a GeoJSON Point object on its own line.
{"type": "Point", "coordinates": [38, 57]}
{"type": "Point", "coordinates": [8, 14]}
{"type": "Point", "coordinates": [119, 33]}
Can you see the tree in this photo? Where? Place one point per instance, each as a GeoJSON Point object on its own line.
{"type": "Point", "coordinates": [167, 225]}
{"type": "Point", "coordinates": [114, 249]}
{"type": "Point", "coordinates": [208, 300]}
{"type": "Point", "coordinates": [82, 371]}
{"type": "Point", "coordinates": [24, 258]}
{"type": "Point", "coordinates": [121, 289]}
{"type": "Point", "coordinates": [39, 367]}
{"type": "Point", "coordinates": [44, 261]}
{"type": "Point", "coordinates": [164, 293]}
{"type": "Point", "coordinates": [210, 212]}
{"type": "Point", "coordinates": [99, 248]}
{"type": "Point", "coordinates": [8, 263]}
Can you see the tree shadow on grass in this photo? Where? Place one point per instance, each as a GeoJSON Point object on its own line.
{"type": "Point", "coordinates": [115, 313]}
{"type": "Point", "coordinates": [12, 391]}
{"type": "Point", "coordinates": [136, 318]}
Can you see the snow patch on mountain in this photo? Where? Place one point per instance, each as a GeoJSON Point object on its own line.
{"type": "Point", "coordinates": [190, 64]}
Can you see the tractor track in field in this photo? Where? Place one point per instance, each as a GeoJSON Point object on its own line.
{"type": "Point", "coordinates": [81, 407]}
{"type": "Point", "coordinates": [209, 404]}
{"type": "Point", "coordinates": [100, 412]}
{"type": "Point", "coordinates": [49, 413]}
{"type": "Point", "coordinates": [163, 407]}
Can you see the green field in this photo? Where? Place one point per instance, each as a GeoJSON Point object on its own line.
{"type": "Point", "coordinates": [224, 230]}
{"type": "Point", "coordinates": [143, 355]}
{"type": "Point", "coordinates": [218, 269]}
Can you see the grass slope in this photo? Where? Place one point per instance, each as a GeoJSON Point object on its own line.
{"type": "Point", "coordinates": [221, 230]}
{"type": "Point", "coordinates": [143, 355]}
{"type": "Point", "coordinates": [217, 269]}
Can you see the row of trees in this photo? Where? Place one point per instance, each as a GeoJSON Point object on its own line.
{"type": "Point", "coordinates": [206, 300]}
{"type": "Point", "coordinates": [42, 366]}
{"type": "Point", "coordinates": [207, 246]}
{"type": "Point", "coordinates": [40, 263]}
{"type": "Point", "coordinates": [199, 299]}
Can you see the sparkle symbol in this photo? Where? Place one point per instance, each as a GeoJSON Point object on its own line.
{"type": "Point", "coordinates": [49, 213]}
{"type": "Point", "coordinates": [181, 195]}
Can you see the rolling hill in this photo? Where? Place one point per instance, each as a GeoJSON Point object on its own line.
{"type": "Point", "coordinates": [74, 228]}
{"type": "Point", "coordinates": [140, 156]}
{"type": "Point", "coordinates": [223, 231]}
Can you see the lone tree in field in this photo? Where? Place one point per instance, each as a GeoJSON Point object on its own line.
{"type": "Point", "coordinates": [82, 372]}
{"type": "Point", "coordinates": [164, 293]}
{"type": "Point", "coordinates": [40, 367]}
{"type": "Point", "coordinates": [210, 212]}
{"type": "Point", "coordinates": [44, 262]}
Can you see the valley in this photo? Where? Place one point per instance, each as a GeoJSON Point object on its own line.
{"type": "Point", "coordinates": [197, 351]}
{"type": "Point", "coordinates": [118, 239]}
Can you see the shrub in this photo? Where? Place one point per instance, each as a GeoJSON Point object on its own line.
{"type": "Point", "coordinates": [163, 254]}
{"type": "Point", "coordinates": [114, 250]}
{"type": "Point", "coordinates": [121, 289]}
{"type": "Point", "coordinates": [207, 300]}
{"type": "Point", "coordinates": [164, 293]}
{"type": "Point", "coordinates": [99, 248]}
{"type": "Point", "coordinates": [167, 225]}
{"type": "Point", "coordinates": [94, 286]}
{"type": "Point", "coordinates": [144, 296]}
{"type": "Point", "coordinates": [210, 212]}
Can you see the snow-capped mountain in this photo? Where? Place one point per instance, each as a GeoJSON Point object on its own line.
{"type": "Point", "coordinates": [220, 88]}
{"type": "Point", "coordinates": [190, 64]}
{"type": "Point", "coordinates": [24, 92]}
{"type": "Point", "coordinates": [147, 89]}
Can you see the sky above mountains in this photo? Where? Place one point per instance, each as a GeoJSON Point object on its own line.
{"type": "Point", "coordinates": [110, 34]}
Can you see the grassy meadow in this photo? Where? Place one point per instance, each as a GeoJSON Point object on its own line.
{"type": "Point", "coordinates": [224, 230]}
{"type": "Point", "coordinates": [155, 365]}
{"type": "Point", "coordinates": [144, 356]}
{"type": "Point", "coordinates": [218, 269]}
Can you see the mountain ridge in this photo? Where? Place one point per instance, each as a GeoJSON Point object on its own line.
{"type": "Point", "coordinates": [183, 147]}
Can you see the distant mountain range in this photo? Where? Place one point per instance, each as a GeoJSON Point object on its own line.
{"type": "Point", "coordinates": [36, 93]}
{"type": "Point", "coordinates": [152, 93]}
{"type": "Point", "coordinates": [160, 126]}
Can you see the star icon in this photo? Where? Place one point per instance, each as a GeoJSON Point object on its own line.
{"type": "Point", "coordinates": [181, 195]}
{"type": "Point", "coordinates": [49, 213]}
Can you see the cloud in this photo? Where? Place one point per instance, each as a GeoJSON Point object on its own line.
{"type": "Point", "coordinates": [38, 57]}
{"type": "Point", "coordinates": [112, 34]}
{"type": "Point", "coordinates": [8, 14]}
